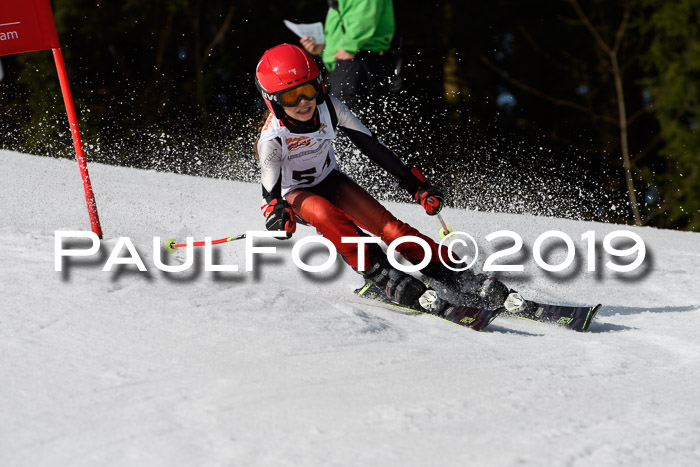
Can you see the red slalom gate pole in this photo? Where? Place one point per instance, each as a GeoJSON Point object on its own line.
{"type": "Point", "coordinates": [77, 142]}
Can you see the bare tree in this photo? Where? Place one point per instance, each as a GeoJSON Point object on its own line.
{"type": "Point", "coordinates": [202, 55]}
{"type": "Point", "coordinates": [620, 119]}
{"type": "Point", "coordinates": [612, 51]}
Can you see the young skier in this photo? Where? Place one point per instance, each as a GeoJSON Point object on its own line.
{"type": "Point", "coordinates": [301, 182]}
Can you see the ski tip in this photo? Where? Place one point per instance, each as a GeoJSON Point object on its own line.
{"type": "Point", "coordinates": [170, 245]}
{"type": "Point", "coordinates": [589, 318]}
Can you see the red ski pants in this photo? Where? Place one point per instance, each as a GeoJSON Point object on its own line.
{"type": "Point", "coordinates": [350, 206]}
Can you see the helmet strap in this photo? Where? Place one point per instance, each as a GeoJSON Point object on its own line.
{"type": "Point", "coordinates": [297, 126]}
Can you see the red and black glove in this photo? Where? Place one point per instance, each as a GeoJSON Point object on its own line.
{"type": "Point", "coordinates": [279, 216]}
{"type": "Point", "coordinates": [430, 197]}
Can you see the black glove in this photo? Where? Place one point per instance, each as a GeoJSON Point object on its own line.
{"type": "Point", "coordinates": [279, 216]}
{"type": "Point", "coordinates": [430, 197]}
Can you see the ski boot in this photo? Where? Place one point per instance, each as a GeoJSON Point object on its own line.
{"type": "Point", "coordinates": [404, 289]}
{"type": "Point", "coordinates": [467, 288]}
{"type": "Point", "coordinates": [398, 286]}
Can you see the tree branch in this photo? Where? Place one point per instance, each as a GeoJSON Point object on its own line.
{"type": "Point", "coordinates": [641, 155]}
{"type": "Point", "coordinates": [218, 37]}
{"type": "Point", "coordinates": [555, 100]}
{"type": "Point", "coordinates": [586, 22]}
{"type": "Point", "coordinates": [533, 44]}
{"type": "Point", "coordinates": [621, 30]}
{"type": "Point", "coordinates": [636, 115]}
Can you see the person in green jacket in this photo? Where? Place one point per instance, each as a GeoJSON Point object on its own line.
{"type": "Point", "coordinates": [358, 36]}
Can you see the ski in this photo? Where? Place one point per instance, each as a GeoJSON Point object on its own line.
{"type": "Point", "coordinates": [474, 318]}
{"type": "Point", "coordinates": [577, 318]}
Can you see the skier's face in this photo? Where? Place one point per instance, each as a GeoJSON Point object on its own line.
{"type": "Point", "coordinates": [303, 111]}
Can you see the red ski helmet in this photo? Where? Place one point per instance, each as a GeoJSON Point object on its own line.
{"type": "Point", "coordinates": [284, 75]}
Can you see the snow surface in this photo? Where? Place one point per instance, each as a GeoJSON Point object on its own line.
{"type": "Point", "coordinates": [280, 367]}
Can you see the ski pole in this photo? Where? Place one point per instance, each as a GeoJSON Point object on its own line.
{"type": "Point", "coordinates": [171, 246]}
{"type": "Point", "coordinates": [445, 230]}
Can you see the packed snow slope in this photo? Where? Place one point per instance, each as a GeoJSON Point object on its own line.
{"type": "Point", "coordinates": [278, 367]}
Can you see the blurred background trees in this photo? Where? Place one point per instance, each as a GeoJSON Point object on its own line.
{"type": "Point", "coordinates": [578, 108]}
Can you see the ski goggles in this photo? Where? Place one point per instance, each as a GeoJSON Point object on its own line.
{"type": "Point", "coordinates": [292, 97]}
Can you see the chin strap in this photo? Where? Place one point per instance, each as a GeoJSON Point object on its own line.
{"type": "Point", "coordinates": [297, 126]}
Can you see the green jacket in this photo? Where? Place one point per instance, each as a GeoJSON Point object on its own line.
{"type": "Point", "coordinates": [368, 25]}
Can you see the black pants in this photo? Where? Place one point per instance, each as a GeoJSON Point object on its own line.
{"type": "Point", "coordinates": [367, 75]}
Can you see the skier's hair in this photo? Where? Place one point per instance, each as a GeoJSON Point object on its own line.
{"type": "Point", "coordinates": [261, 124]}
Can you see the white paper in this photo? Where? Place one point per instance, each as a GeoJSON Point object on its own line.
{"type": "Point", "coordinates": [314, 30]}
